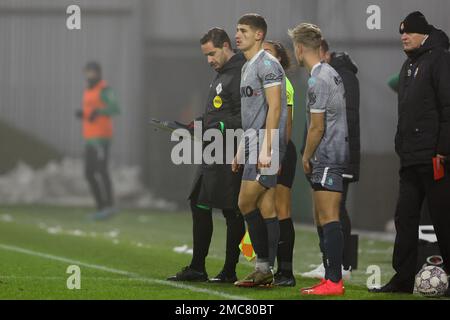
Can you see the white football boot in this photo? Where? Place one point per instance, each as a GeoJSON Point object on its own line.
{"type": "Point", "coordinates": [319, 273]}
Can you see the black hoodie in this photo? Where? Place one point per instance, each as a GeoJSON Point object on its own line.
{"type": "Point", "coordinates": [423, 128]}
{"type": "Point", "coordinates": [347, 69]}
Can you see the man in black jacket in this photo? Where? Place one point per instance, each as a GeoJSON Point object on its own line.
{"type": "Point", "coordinates": [347, 69]}
{"type": "Point", "coordinates": [215, 185]}
{"type": "Point", "coordinates": [423, 133]}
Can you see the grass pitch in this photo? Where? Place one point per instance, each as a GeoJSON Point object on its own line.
{"type": "Point", "coordinates": [130, 256]}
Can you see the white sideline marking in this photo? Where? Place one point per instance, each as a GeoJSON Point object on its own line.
{"type": "Point", "coordinates": [109, 279]}
{"type": "Point", "coordinates": [122, 272]}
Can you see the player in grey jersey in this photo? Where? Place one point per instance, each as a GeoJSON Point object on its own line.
{"type": "Point", "coordinates": [325, 94]}
{"type": "Point", "coordinates": [326, 153]}
{"type": "Point", "coordinates": [263, 106]}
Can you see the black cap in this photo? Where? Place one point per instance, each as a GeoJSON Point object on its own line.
{"type": "Point", "coordinates": [93, 65]}
{"type": "Point", "coordinates": [415, 22]}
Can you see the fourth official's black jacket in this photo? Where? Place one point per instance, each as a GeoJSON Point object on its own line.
{"type": "Point", "coordinates": [215, 185]}
{"type": "Point", "coordinates": [423, 128]}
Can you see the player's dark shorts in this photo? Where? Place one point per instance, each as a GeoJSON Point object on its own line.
{"type": "Point", "coordinates": [252, 173]}
{"type": "Point", "coordinates": [327, 178]}
{"type": "Point", "coordinates": [288, 166]}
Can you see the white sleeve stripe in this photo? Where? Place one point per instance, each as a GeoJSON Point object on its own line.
{"type": "Point", "coordinates": [272, 85]}
{"type": "Point", "coordinates": [316, 110]}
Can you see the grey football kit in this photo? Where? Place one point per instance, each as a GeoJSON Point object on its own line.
{"type": "Point", "coordinates": [261, 72]}
{"type": "Point", "coordinates": [326, 94]}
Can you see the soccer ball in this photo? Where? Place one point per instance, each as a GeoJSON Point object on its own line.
{"type": "Point", "coordinates": [431, 281]}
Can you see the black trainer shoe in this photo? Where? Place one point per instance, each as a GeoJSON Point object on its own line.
{"type": "Point", "coordinates": [222, 277]}
{"type": "Point", "coordinates": [189, 274]}
{"type": "Point", "coordinates": [284, 280]}
{"type": "Point", "coordinates": [393, 288]}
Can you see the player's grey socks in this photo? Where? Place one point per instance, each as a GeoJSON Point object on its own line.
{"type": "Point", "coordinates": [273, 237]}
{"type": "Point", "coordinates": [258, 233]}
{"type": "Point", "coordinates": [286, 246]}
{"type": "Point", "coordinates": [322, 249]}
{"type": "Point", "coordinates": [334, 246]}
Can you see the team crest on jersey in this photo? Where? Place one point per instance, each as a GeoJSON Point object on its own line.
{"type": "Point", "coordinates": [329, 181]}
{"type": "Point", "coordinates": [311, 81]}
{"type": "Point", "coordinates": [219, 88]}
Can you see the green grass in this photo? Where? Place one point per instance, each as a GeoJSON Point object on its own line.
{"type": "Point", "coordinates": [129, 256]}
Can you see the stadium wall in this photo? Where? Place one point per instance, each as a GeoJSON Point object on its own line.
{"type": "Point", "coordinates": [41, 66]}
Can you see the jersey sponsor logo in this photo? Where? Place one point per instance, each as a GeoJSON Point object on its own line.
{"type": "Point", "coordinates": [247, 92]}
{"type": "Point", "coordinates": [217, 102]}
{"type": "Point", "coordinates": [273, 77]}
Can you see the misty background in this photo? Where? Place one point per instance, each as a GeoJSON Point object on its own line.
{"type": "Point", "coordinates": [151, 57]}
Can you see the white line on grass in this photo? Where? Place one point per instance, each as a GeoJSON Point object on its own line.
{"type": "Point", "coordinates": [122, 272]}
{"type": "Point", "coordinates": [109, 279]}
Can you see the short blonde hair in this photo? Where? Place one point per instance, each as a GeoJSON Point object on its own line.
{"type": "Point", "coordinates": [307, 34]}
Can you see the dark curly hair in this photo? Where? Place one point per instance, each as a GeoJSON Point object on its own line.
{"type": "Point", "coordinates": [281, 53]}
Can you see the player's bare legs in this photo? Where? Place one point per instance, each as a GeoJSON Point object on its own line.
{"type": "Point", "coordinates": [254, 203]}
{"type": "Point", "coordinates": [283, 202]}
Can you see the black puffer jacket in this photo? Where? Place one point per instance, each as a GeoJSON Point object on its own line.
{"type": "Point", "coordinates": [423, 128]}
{"type": "Point", "coordinates": [347, 69]}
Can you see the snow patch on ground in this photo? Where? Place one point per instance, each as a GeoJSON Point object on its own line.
{"type": "Point", "coordinates": [183, 249]}
{"type": "Point", "coordinates": [6, 218]}
{"type": "Point", "coordinates": [63, 183]}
